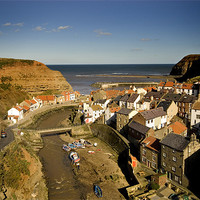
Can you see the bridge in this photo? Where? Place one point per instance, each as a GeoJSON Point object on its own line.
{"type": "Point", "coordinates": [54, 131]}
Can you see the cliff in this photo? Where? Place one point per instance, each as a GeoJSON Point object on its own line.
{"type": "Point", "coordinates": [32, 76]}
{"type": "Point", "coordinates": [188, 67]}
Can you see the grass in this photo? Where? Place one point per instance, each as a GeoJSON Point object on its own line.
{"type": "Point", "coordinates": [14, 166]}
{"type": "Point", "coordinates": [11, 62]}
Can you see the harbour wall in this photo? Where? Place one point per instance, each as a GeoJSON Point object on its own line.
{"type": "Point", "coordinates": [104, 85]}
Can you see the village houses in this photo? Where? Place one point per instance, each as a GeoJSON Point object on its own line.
{"type": "Point", "coordinates": [195, 116]}
{"type": "Point", "coordinates": [132, 101]}
{"type": "Point", "coordinates": [175, 150]}
{"type": "Point", "coordinates": [110, 114]}
{"type": "Point", "coordinates": [150, 152]}
{"type": "Point", "coordinates": [155, 118]}
{"type": "Point", "coordinates": [15, 114]}
{"type": "Point", "coordinates": [170, 108]}
{"type": "Point", "coordinates": [123, 117]}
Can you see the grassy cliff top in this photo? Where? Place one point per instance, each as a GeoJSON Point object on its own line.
{"type": "Point", "coordinates": [12, 61]}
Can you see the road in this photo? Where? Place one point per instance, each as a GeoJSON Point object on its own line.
{"type": "Point", "coordinates": [10, 137]}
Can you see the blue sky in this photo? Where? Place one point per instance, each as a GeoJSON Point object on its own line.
{"type": "Point", "coordinates": [100, 31]}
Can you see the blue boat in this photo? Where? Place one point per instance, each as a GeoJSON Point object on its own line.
{"type": "Point", "coordinates": [66, 147]}
{"type": "Point", "coordinates": [72, 146]}
{"type": "Point", "coordinates": [98, 191]}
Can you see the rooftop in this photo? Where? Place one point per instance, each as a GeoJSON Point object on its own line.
{"type": "Point", "coordinates": [153, 113]}
{"type": "Point", "coordinates": [132, 98]}
{"type": "Point", "coordinates": [178, 127]}
{"type": "Point", "coordinates": [164, 104]}
{"type": "Point", "coordinates": [175, 141]}
{"type": "Point", "coordinates": [196, 105]}
{"type": "Point", "coordinates": [124, 111]}
{"type": "Point", "coordinates": [152, 143]}
{"type": "Point", "coordinates": [139, 127]}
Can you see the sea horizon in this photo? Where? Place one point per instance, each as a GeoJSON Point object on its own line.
{"type": "Point", "coordinates": [81, 76]}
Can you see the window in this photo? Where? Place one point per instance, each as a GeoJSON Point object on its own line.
{"type": "Point", "coordinates": [164, 155]}
{"type": "Point", "coordinates": [164, 164]}
{"type": "Point", "coordinates": [153, 164]}
{"type": "Point", "coordinates": [198, 116]}
{"type": "Point", "coordinates": [173, 169]}
{"type": "Point", "coordinates": [144, 152]}
{"type": "Point", "coordinates": [176, 178]}
{"type": "Point", "coordinates": [143, 159]}
{"type": "Point", "coordinates": [152, 121]}
{"type": "Point", "coordinates": [174, 158]}
{"type": "Point", "coordinates": [153, 157]}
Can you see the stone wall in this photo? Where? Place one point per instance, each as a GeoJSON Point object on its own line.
{"type": "Point", "coordinates": [111, 137]}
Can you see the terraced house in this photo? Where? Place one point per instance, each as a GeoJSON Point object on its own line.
{"type": "Point", "coordinates": [123, 117]}
{"type": "Point", "coordinates": [155, 118]}
{"type": "Point", "coordinates": [150, 152]}
{"type": "Point", "coordinates": [175, 150]}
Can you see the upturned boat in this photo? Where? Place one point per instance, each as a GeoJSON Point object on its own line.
{"type": "Point", "coordinates": [98, 191]}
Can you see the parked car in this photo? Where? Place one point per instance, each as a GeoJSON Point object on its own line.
{"type": "Point", "coordinates": [3, 134]}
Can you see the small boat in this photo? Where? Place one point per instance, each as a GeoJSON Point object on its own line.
{"type": "Point", "coordinates": [80, 145]}
{"type": "Point", "coordinates": [74, 156]}
{"type": "Point", "coordinates": [66, 147]}
{"type": "Point", "coordinates": [72, 146]}
{"type": "Point", "coordinates": [98, 191]}
{"type": "Point", "coordinates": [87, 144]}
{"type": "Point", "coordinates": [91, 152]}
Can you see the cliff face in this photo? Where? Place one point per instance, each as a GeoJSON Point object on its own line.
{"type": "Point", "coordinates": [32, 76]}
{"type": "Point", "coordinates": [188, 67]}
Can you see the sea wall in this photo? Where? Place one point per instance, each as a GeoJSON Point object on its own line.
{"type": "Point", "coordinates": [111, 137]}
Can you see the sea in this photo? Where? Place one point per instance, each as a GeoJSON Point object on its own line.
{"type": "Point", "coordinates": [81, 77]}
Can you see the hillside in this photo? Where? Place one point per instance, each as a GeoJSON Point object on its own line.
{"type": "Point", "coordinates": [9, 98]}
{"type": "Point", "coordinates": [188, 67]}
{"type": "Point", "coordinates": [32, 76]}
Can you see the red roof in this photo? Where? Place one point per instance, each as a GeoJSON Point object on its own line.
{"type": "Point", "coordinates": [152, 143]}
{"type": "Point", "coordinates": [33, 101]}
{"type": "Point", "coordinates": [114, 109]}
{"type": "Point", "coordinates": [46, 97]}
{"type": "Point", "coordinates": [26, 108]}
{"type": "Point", "coordinates": [187, 86]}
{"type": "Point", "coordinates": [161, 84]}
{"type": "Point", "coordinates": [28, 101]}
{"type": "Point", "coordinates": [169, 84]}
{"type": "Point", "coordinates": [112, 93]}
{"type": "Point", "coordinates": [19, 108]}
{"type": "Point", "coordinates": [178, 127]}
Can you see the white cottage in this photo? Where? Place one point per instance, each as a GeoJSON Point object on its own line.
{"type": "Point", "coordinates": [15, 114]}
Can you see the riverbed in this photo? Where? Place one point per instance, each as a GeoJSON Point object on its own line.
{"type": "Point", "coordinates": [66, 181]}
{"type": "Point", "coordinates": [57, 166]}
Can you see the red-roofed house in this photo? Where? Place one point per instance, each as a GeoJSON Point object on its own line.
{"type": "Point", "coordinates": [168, 85]}
{"type": "Point", "coordinates": [15, 114]}
{"type": "Point", "coordinates": [161, 85]}
{"type": "Point", "coordinates": [47, 99]}
{"type": "Point", "coordinates": [186, 88]}
{"type": "Point", "coordinates": [149, 152]}
{"type": "Point", "coordinates": [69, 96]}
{"type": "Point", "coordinates": [178, 128]}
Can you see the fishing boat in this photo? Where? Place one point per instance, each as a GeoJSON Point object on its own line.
{"type": "Point", "coordinates": [87, 143]}
{"type": "Point", "coordinates": [72, 146]}
{"type": "Point", "coordinates": [66, 147]}
{"type": "Point", "coordinates": [74, 156]}
{"type": "Point", "coordinates": [98, 191]}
